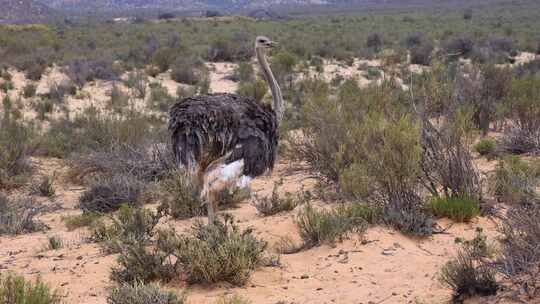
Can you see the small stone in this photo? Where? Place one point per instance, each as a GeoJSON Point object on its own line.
{"type": "Point", "coordinates": [304, 276]}
{"type": "Point", "coordinates": [320, 288]}
{"type": "Point", "coordinates": [79, 257]}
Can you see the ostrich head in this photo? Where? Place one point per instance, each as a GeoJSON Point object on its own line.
{"type": "Point", "coordinates": [261, 44]}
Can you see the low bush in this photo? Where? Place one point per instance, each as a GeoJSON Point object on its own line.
{"type": "Point", "coordinates": [29, 90]}
{"type": "Point", "coordinates": [54, 242]}
{"type": "Point", "coordinates": [219, 252]}
{"type": "Point", "coordinates": [81, 71]}
{"type": "Point", "coordinates": [142, 163]}
{"type": "Point", "coordinates": [210, 253]}
{"type": "Point", "coordinates": [276, 204]}
{"type": "Point", "coordinates": [18, 217]}
{"type": "Point", "coordinates": [255, 90]}
{"type": "Point", "coordinates": [43, 108]}
{"type": "Point", "coordinates": [374, 41]}
{"type": "Point", "coordinates": [234, 299]}
{"type": "Point", "coordinates": [523, 135]}
{"type": "Point", "coordinates": [459, 46]}
{"type": "Point", "coordinates": [518, 256]}
{"type": "Point", "coordinates": [468, 276]}
{"type": "Point", "coordinates": [139, 293]}
{"type": "Point", "coordinates": [16, 142]}
{"type": "Point", "coordinates": [6, 86]}
{"type": "Point", "coordinates": [244, 72]}
{"type": "Point", "coordinates": [486, 147]}
{"type": "Point", "coordinates": [514, 181]}
{"type": "Point", "coordinates": [35, 71]}
{"type": "Point", "coordinates": [160, 99]}
{"type": "Point", "coordinates": [502, 44]}
{"type": "Point", "coordinates": [459, 209]}
{"type": "Point", "coordinates": [317, 227]}
{"type": "Point", "coordinates": [129, 227]}
{"type": "Point", "coordinates": [414, 40]}
{"type": "Point", "coordinates": [231, 49]}
{"type": "Point", "coordinates": [422, 54]}
{"type": "Point", "coordinates": [85, 219]}
{"type": "Point", "coordinates": [139, 263]}
{"type": "Point", "coordinates": [16, 289]}
{"type": "Point", "coordinates": [118, 100]}
{"type": "Point", "coordinates": [137, 82]}
{"type": "Point", "coordinates": [43, 187]}
{"type": "Point", "coordinates": [107, 193]}
{"type": "Point", "coordinates": [180, 196]}
{"type": "Point", "coordinates": [188, 71]}
{"type": "Point", "coordinates": [408, 216]}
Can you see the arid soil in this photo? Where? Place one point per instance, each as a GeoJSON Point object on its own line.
{"type": "Point", "coordinates": [383, 266]}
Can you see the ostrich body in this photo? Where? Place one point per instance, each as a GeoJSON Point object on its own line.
{"type": "Point", "coordinates": [225, 140]}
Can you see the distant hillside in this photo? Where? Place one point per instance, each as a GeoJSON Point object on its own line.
{"type": "Point", "coordinates": [24, 11]}
{"type": "Point", "coordinates": [178, 5]}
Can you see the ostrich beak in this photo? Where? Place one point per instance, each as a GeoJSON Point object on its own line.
{"type": "Point", "coordinates": [272, 44]}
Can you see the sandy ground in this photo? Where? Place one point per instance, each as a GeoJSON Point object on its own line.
{"type": "Point", "coordinates": [381, 267]}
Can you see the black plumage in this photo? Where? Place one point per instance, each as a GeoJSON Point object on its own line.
{"type": "Point", "coordinates": [206, 128]}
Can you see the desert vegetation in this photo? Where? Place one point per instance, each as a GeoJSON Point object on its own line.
{"type": "Point", "coordinates": [411, 138]}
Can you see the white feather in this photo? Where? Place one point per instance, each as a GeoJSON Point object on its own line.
{"type": "Point", "coordinates": [232, 170]}
{"type": "Point", "coordinates": [243, 181]}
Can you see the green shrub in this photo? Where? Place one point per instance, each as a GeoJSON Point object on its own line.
{"type": "Point", "coordinates": [43, 187]}
{"type": "Point", "coordinates": [35, 71]}
{"type": "Point", "coordinates": [276, 204]}
{"type": "Point", "coordinates": [514, 181]}
{"type": "Point", "coordinates": [6, 86]}
{"type": "Point", "coordinates": [244, 72]}
{"type": "Point", "coordinates": [180, 196]}
{"type": "Point", "coordinates": [219, 252]}
{"type": "Point", "coordinates": [524, 103]}
{"type": "Point", "coordinates": [131, 226]}
{"type": "Point", "coordinates": [15, 289]}
{"type": "Point", "coordinates": [139, 293]}
{"type": "Point", "coordinates": [255, 90]}
{"type": "Point", "coordinates": [137, 82]}
{"type": "Point", "coordinates": [234, 299]}
{"type": "Point", "coordinates": [486, 147]}
{"type": "Point", "coordinates": [459, 209]}
{"type": "Point", "coordinates": [85, 219]}
{"type": "Point", "coordinates": [54, 242]}
{"type": "Point", "coordinates": [18, 217]}
{"type": "Point", "coordinates": [328, 226]}
{"type": "Point", "coordinates": [29, 90]}
{"type": "Point", "coordinates": [43, 108]}
{"type": "Point", "coordinates": [160, 99]}
{"type": "Point", "coordinates": [15, 140]}
{"type": "Point", "coordinates": [118, 100]}
{"type": "Point", "coordinates": [138, 263]}
{"type": "Point", "coordinates": [187, 71]}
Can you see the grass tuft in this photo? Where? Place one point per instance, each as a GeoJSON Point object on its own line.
{"type": "Point", "coordinates": [459, 209]}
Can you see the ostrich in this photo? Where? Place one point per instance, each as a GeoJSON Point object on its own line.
{"type": "Point", "coordinates": [224, 140]}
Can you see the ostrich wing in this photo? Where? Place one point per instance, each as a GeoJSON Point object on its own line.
{"type": "Point", "coordinates": [205, 128]}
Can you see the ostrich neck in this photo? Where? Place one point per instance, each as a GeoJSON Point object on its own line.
{"type": "Point", "coordinates": [277, 99]}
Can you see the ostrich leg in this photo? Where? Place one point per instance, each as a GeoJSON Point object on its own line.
{"type": "Point", "coordinates": [219, 176]}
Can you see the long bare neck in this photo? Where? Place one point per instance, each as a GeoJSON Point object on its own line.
{"type": "Point", "coordinates": [277, 98]}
